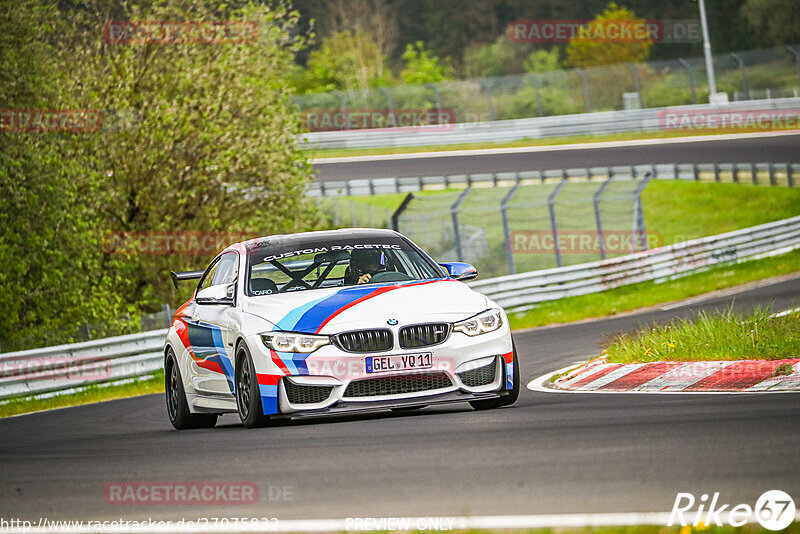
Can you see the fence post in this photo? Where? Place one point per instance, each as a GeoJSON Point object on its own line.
{"type": "Point", "coordinates": [535, 81]}
{"type": "Point", "coordinates": [796, 55]}
{"type": "Point", "coordinates": [636, 82]}
{"type": "Point", "coordinates": [343, 106]}
{"type": "Point", "coordinates": [597, 218]}
{"type": "Point", "coordinates": [512, 269]}
{"type": "Point", "coordinates": [399, 211]}
{"type": "Point", "coordinates": [745, 85]}
{"type": "Point", "coordinates": [587, 92]}
{"type": "Point", "coordinates": [167, 315]}
{"type": "Point", "coordinates": [690, 72]}
{"type": "Point", "coordinates": [454, 214]}
{"type": "Point", "coordinates": [437, 96]}
{"type": "Point", "coordinates": [389, 102]}
{"type": "Point", "coordinates": [488, 92]}
{"type": "Point", "coordinates": [639, 231]}
{"type": "Point", "coordinates": [551, 200]}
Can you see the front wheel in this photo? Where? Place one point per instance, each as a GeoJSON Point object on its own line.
{"type": "Point", "coordinates": [248, 396]}
{"type": "Point", "coordinates": [505, 400]}
{"type": "Point", "coordinates": [177, 407]}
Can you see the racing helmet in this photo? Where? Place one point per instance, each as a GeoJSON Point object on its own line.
{"type": "Point", "coordinates": [367, 261]}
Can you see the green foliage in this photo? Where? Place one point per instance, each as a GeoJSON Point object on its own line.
{"type": "Point", "coordinates": [542, 61]}
{"type": "Point", "coordinates": [421, 66]}
{"type": "Point", "coordinates": [195, 138]}
{"type": "Point", "coordinates": [496, 59]}
{"type": "Point", "coordinates": [776, 21]}
{"type": "Point", "coordinates": [588, 52]}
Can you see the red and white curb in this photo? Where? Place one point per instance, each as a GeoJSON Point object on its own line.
{"type": "Point", "coordinates": [600, 376]}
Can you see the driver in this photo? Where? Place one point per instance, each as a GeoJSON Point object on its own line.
{"type": "Point", "coordinates": [363, 265]}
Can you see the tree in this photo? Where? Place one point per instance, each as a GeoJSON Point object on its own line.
{"type": "Point", "coordinates": [346, 60]}
{"type": "Point", "coordinates": [595, 49]}
{"type": "Point", "coordinates": [777, 21]}
{"type": "Point", "coordinates": [421, 66]}
{"type": "Point", "coordinates": [542, 61]}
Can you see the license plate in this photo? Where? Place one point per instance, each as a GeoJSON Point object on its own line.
{"type": "Point", "coordinates": [403, 362]}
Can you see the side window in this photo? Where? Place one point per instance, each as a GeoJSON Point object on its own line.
{"type": "Point", "coordinates": [227, 267]}
{"type": "Point", "coordinates": [209, 276]}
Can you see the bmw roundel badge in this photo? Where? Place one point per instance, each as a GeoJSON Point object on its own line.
{"type": "Point", "coordinates": [392, 322]}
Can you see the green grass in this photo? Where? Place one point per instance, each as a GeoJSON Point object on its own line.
{"type": "Point", "coordinates": [93, 393]}
{"type": "Point", "coordinates": [711, 336]}
{"type": "Point", "coordinates": [659, 134]}
{"type": "Point", "coordinates": [634, 296]}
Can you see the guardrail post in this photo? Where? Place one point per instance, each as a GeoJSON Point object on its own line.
{"type": "Point", "coordinates": [399, 211]}
{"type": "Point", "coordinates": [789, 177]}
{"type": "Point", "coordinates": [165, 309]}
{"type": "Point", "coordinates": [587, 92]}
{"type": "Point", "coordinates": [696, 171]}
{"type": "Point", "coordinates": [636, 82]}
{"type": "Point", "coordinates": [488, 92]}
{"type": "Point", "coordinates": [716, 172]}
{"type": "Point", "coordinates": [512, 269]}
{"type": "Point", "coordinates": [551, 200]}
{"type": "Point", "coordinates": [598, 219]}
{"type": "Point", "coordinates": [535, 81]}
{"type": "Point", "coordinates": [639, 232]}
{"type": "Point", "coordinates": [735, 173]}
{"type": "Point", "coordinates": [796, 55]}
{"type": "Point", "coordinates": [454, 213]}
{"type": "Point", "coordinates": [690, 72]}
{"type": "Point", "coordinates": [743, 70]}
{"type": "Point", "coordinates": [771, 167]}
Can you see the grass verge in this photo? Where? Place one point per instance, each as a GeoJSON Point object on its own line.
{"type": "Point", "coordinates": [645, 294]}
{"type": "Point", "coordinates": [711, 336]}
{"type": "Point", "coordinates": [567, 140]}
{"type": "Point", "coordinates": [91, 394]}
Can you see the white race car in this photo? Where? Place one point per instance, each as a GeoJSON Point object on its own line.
{"type": "Point", "coordinates": [333, 322]}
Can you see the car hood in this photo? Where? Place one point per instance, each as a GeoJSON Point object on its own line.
{"type": "Point", "coordinates": [369, 306]}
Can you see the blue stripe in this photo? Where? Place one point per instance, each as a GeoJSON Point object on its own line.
{"type": "Point", "coordinates": [510, 375]}
{"type": "Point", "coordinates": [269, 399]}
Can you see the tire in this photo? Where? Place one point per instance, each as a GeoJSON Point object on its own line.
{"type": "Point", "coordinates": [177, 407]}
{"type": "Point", "coordinates": [248, 397]}
{"type": "Point", "coordinates": [505, 400]}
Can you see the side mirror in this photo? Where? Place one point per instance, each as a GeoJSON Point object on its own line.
{"type": "Point", "coordinates": [460, 271]}
{"type": "Point", "coordinates": [216, 295]}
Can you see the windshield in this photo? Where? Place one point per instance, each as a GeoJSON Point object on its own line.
{"type": "Point", "coordinates": [335, 262]}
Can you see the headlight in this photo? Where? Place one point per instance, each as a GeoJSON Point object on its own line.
{"type": "Point", "coordinates": [484, 322]}
{"type": "Point", "coordinates": [291, 342]}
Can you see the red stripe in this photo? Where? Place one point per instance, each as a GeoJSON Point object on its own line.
{"type": "Point", "coordinates": [379, 291]}
{"type": "Point", "coordinates": [277, 361]}
{"type": "Point", "coordinates": [509, 357]}
{"type": "Point", "coordinates": [268, 380]}
{"type": "Point", "coordinates": [594, 376]}
{"type": "Point", "coordinates": [183, 333]}
{"type": "Point", "coordinates": [640, 376]}
{"type": "Point", "coordinates": [208, 364]}
{"type": "Point", "coordinates": [737, 376]}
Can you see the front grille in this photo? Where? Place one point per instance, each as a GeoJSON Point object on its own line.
{"type": "Point", "coordinates": [301, 394]}
{"type": "Point", "coordinates": [423, 335]}
{"type": "Point", "coordinates": [395, 385]}
{"type": "Point", "coordinates": [365, 340]}
{"type": "Point", "coordinates": [481, 376]}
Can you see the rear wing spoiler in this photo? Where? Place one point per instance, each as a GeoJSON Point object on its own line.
{"type": "Point", "coordinates": [185, 275]}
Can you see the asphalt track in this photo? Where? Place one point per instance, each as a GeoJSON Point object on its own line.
{"type": "Point", "coordinates": [549, 453]}
{"type": "Point", "coordinates": [781, 148]}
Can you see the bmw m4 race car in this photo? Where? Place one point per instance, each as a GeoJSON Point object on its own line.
{"type": "Point", "coordinates": [333, 322]}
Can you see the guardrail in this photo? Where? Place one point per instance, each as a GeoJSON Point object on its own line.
{"type": "Point", "coordinates": [64, 368]}
{"type": "Point", "coordinates": [658, 264]}
{"type": "Point", "coordinates": [68, 367]}
{"type": "Point", "coordinates": [600, 123]}
{"type": "Point", "coordinates": [755, 173]}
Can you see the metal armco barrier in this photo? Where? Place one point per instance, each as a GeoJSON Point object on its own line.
{"type": "Point", "coordinates": [65, 367]}
{"type": "Point", "coordinates": [600, 123]}
{"type": "Point", "coordinates": [658, 264]}
{"type": "Point", "coordinates": [785, 174]}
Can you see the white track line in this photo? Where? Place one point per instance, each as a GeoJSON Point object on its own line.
{"type": "Point", "coordinates": [552, 148]}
